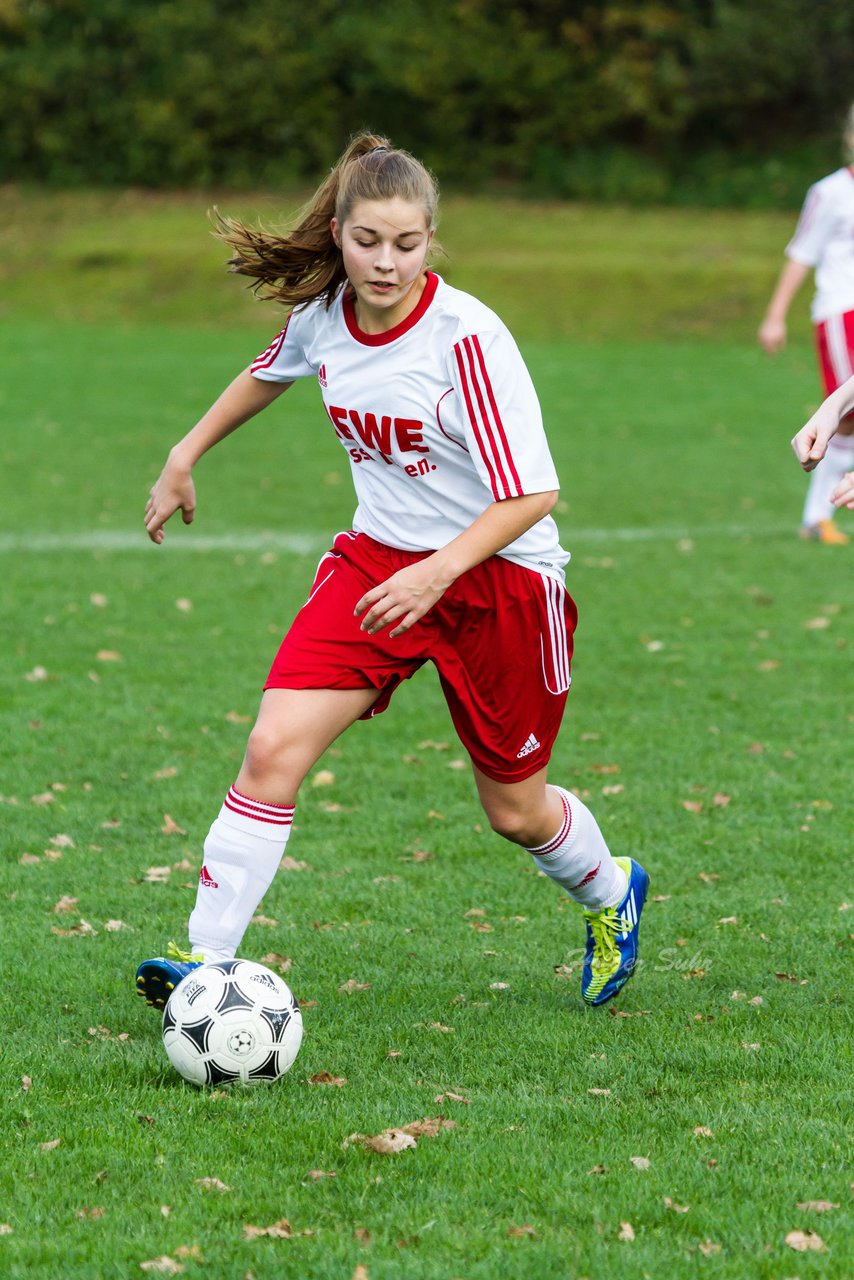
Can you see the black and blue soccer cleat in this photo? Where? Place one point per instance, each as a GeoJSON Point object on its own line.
{"type": "Point", "coordinates": [156, 979]}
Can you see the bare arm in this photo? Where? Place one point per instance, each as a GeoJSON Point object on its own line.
{"type": "Point", "coordinates": [407, 595]}
{"type": "Point", "coordinates": [810, 444]}
{"type": "Point", "coordinates": [174, 489]}
{"type": "Point", "coordinates": [772, 331]}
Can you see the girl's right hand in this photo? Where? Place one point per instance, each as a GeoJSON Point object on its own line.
{"type": "Point", "coordinates": [772, 335]}
{"type": "Point", "coordinates": [173, 490]}
{"type": "Point", "coordinates": [843, 494]}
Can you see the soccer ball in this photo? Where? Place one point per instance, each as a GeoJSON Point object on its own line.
{"type": "Point", "coordinates": [234, 1020]}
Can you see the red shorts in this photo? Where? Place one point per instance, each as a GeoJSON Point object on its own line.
{"type": "Point", "coordinates": [500, 638]}
{"type": "Point", "coordinates": [835, 342]}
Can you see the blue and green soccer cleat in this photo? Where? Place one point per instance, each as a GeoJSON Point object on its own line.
{"type": "Point", "coordinates": [156, 979]}
{"type": "Point", "coordinates": [612, 939]}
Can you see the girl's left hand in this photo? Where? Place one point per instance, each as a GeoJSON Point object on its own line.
{"type": "Point", "coordinates": [402, 599]}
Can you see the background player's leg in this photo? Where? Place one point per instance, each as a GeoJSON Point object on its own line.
{"type": "Point", "coordinates": [818, 509]}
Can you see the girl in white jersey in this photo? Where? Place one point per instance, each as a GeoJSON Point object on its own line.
{"type": "Point", "coordinates": [452, 557]}
{"type": "Point", "coordinates": [824, 241]}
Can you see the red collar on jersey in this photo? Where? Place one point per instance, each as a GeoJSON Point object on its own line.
{"type": "Point", "coordinates": [380, 339]}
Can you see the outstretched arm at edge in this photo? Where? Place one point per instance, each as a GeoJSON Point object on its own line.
{"type": "Point", "coordinates": [810, 444]}
{"type": "Point", "coordinates": [174, 489]}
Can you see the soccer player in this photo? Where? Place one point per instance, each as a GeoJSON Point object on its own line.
{"type": "Point", "coordinates": [823, 240]}
{"type": "Point", "coordinates": [453, 556]}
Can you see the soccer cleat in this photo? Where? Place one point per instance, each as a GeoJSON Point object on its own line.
{"type": "Point", "coordinates": [824, 531]}
{"type": "Point", "coordinates": [156, 979]}
{"type": "Point", "coordinates": [612, 939]}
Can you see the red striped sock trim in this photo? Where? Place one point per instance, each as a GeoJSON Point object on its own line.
{"type": "Point", "coordinates": [277, 815]}
{"type": "Point", "coordinates": [545, 849]}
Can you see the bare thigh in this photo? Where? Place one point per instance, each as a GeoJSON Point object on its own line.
{"type": "Point", "coordinates": [293, 729]}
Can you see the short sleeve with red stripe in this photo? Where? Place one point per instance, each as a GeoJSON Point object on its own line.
{"type": "Point", "coordinates": [501, 416]}
{"type": "Point", "coordinates": [285, 358]}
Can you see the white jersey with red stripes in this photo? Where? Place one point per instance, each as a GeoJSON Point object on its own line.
{"type": "Point", "coordinates": [438, 416]}
{"type": "Point", "coordinates": [824, 239]}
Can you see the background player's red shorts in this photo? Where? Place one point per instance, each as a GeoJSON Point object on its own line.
{"type": "Point", "coordinates": [834, 339]}
{"type": "Point", "coordinates": [500, 637]}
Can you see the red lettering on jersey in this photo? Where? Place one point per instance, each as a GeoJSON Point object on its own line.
{"type": "Point", "coordinates": [409, 431]}
{"type": "Point", "coordinates": [375, 435]}
{"type": "Point", "coordinates": [338, 417]}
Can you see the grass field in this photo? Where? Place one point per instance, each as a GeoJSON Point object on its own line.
{"type": "Point", "coordinates": [687, 1131]}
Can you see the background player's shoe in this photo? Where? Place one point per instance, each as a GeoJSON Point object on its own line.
{"type": "Point", "coordinates": [612, 939]}
{"type": "Point", "coordinates": [156, 979]}
{"type": "Point", "coordinates": [825, 531]}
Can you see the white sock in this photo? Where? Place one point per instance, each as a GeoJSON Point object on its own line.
{"type": "Point", "coordinates": [826, 476]}
{"type": "Point", "coordinates": [242, 854]}
{"type": "Point", "coordinates": [579, 860]}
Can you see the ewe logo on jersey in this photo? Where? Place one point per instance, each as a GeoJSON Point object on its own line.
{"type": "Point", "coordinates": [368, 436]}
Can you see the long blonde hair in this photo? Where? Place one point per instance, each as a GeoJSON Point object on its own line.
{"type": "Point", "coordinates": [304, 264]}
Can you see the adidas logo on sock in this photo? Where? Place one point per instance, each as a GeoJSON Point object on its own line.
{"type": "Point", "coordinates": [207, 879]}
{"type": "Point", "coordinates": [530, 745]}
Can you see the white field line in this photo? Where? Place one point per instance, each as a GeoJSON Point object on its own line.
{"type": "Point", "coordinates": [313, 543]}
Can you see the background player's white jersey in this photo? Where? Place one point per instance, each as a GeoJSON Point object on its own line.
{"type": "Point", "coordinates": [439, 418]}
{"type": "Point", "coordinates": [824, 239]}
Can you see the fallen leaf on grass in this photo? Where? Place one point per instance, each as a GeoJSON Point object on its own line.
{"type": "Point", "coordinates": [113, 926]}
{"type": "Point", "coordinates": [81, 930]}
{"type": "Point", "coordinates": [317, 1174]}
{"type": "Point", "coordinates": [817, 1206]}
{"type": "Point", "coordinates": [481, 926]}
{"type": "Point", "coordinates": [26, 1083]}
{"type": "Point", "coordinates": [5, 1229]}
{"type": "Point", "coordinates": [604, 1093]}
{"type": "Point", "coordinates": [525, 1230]}
{"type": "Point", "coordinates": [326, 1077]}
{"type": "Point", "coordinates": [639, 1162]}
{"type": "Point", "coordinates": [707, 876]}
{"type": "Point", "coordinates": [434, 1026]}
{"type": "Point", "coordinates": [597, 1168]}
{"type": "Point", "coordinates": [212, 1184]}
{"type": "Point", "coordinates": [626, 1232]}
{"type": "Point", "coordinates": [702, 1131]}
{"type": "Point", "coordinates": [282, 964]}
{"type": "Point", "coordinates": [417, 855]}
{"type": "Point", "coordinates": [728, 920]}
{"type": "Point", "coordinates": [403, 1138]}
{"type": "Point", "coordinates": [44, 797]}
{"type": "Point", "coordinates": [677, 1208]}
{"type": "Point", "coordinates": [693, 806]}
{"type": "Point", "coordinates": [170, 826]}
{"type": "Point", "coordinates": [323, 778]}
{"type": "Point", "coordinates": [37, 674]}
{"type": "Point", "coordinates": [90, 1211]}
{"type": "Point", "coordinates": [352, 985]}
{"type": "Point", "coordinates": [234, 717]}
{"type": "Point", "coordinates": [292, 864]}
{"type": "Point", "coordinates": [708, 1247]}
{"type": "Point", "coordinates": [266, 922]}
{"type": "Point", "coordinates": [164, 1264]}
{"type": "Point", "coordinates": [450, 1097]}
{"type": "Point", "coordinates": [361, 1272]}
{"type": "Point", "coordinates": [157, 875]}
{"type": "Point", "coordinates": [388, 1143]}
{"type": "Point", "coordinates": [805, 1241]}
{"type": "Point", "coordinates": [65, 904]}
{"type": "Point", "coordinates": [281, 1230]}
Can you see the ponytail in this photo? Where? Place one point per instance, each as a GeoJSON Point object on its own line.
{"type": "Point", "coordinates": [306, 264]}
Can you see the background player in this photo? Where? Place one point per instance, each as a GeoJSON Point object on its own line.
{"type": "Point", "coordinates": [453, 556]}
{"type": "Point", "coordinates": [824, 240]}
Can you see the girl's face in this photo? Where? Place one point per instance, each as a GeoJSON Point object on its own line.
{"type": "Point", "coordinates": [384, 244]}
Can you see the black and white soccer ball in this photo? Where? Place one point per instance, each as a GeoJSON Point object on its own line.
{"type": "Point", "coordinates": [234, 1020]}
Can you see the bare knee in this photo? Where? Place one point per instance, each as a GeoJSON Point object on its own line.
{"type": "Point", "coordinates": [273, 764]}
{"type": "Point", "coordinates": [513, 823]}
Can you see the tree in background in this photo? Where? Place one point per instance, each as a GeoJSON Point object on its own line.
{"type": "Point", "coordinates": [706, 100]}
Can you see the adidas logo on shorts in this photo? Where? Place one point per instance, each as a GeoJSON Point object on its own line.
{"type": "Point", "coordinates": [530, 745]}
